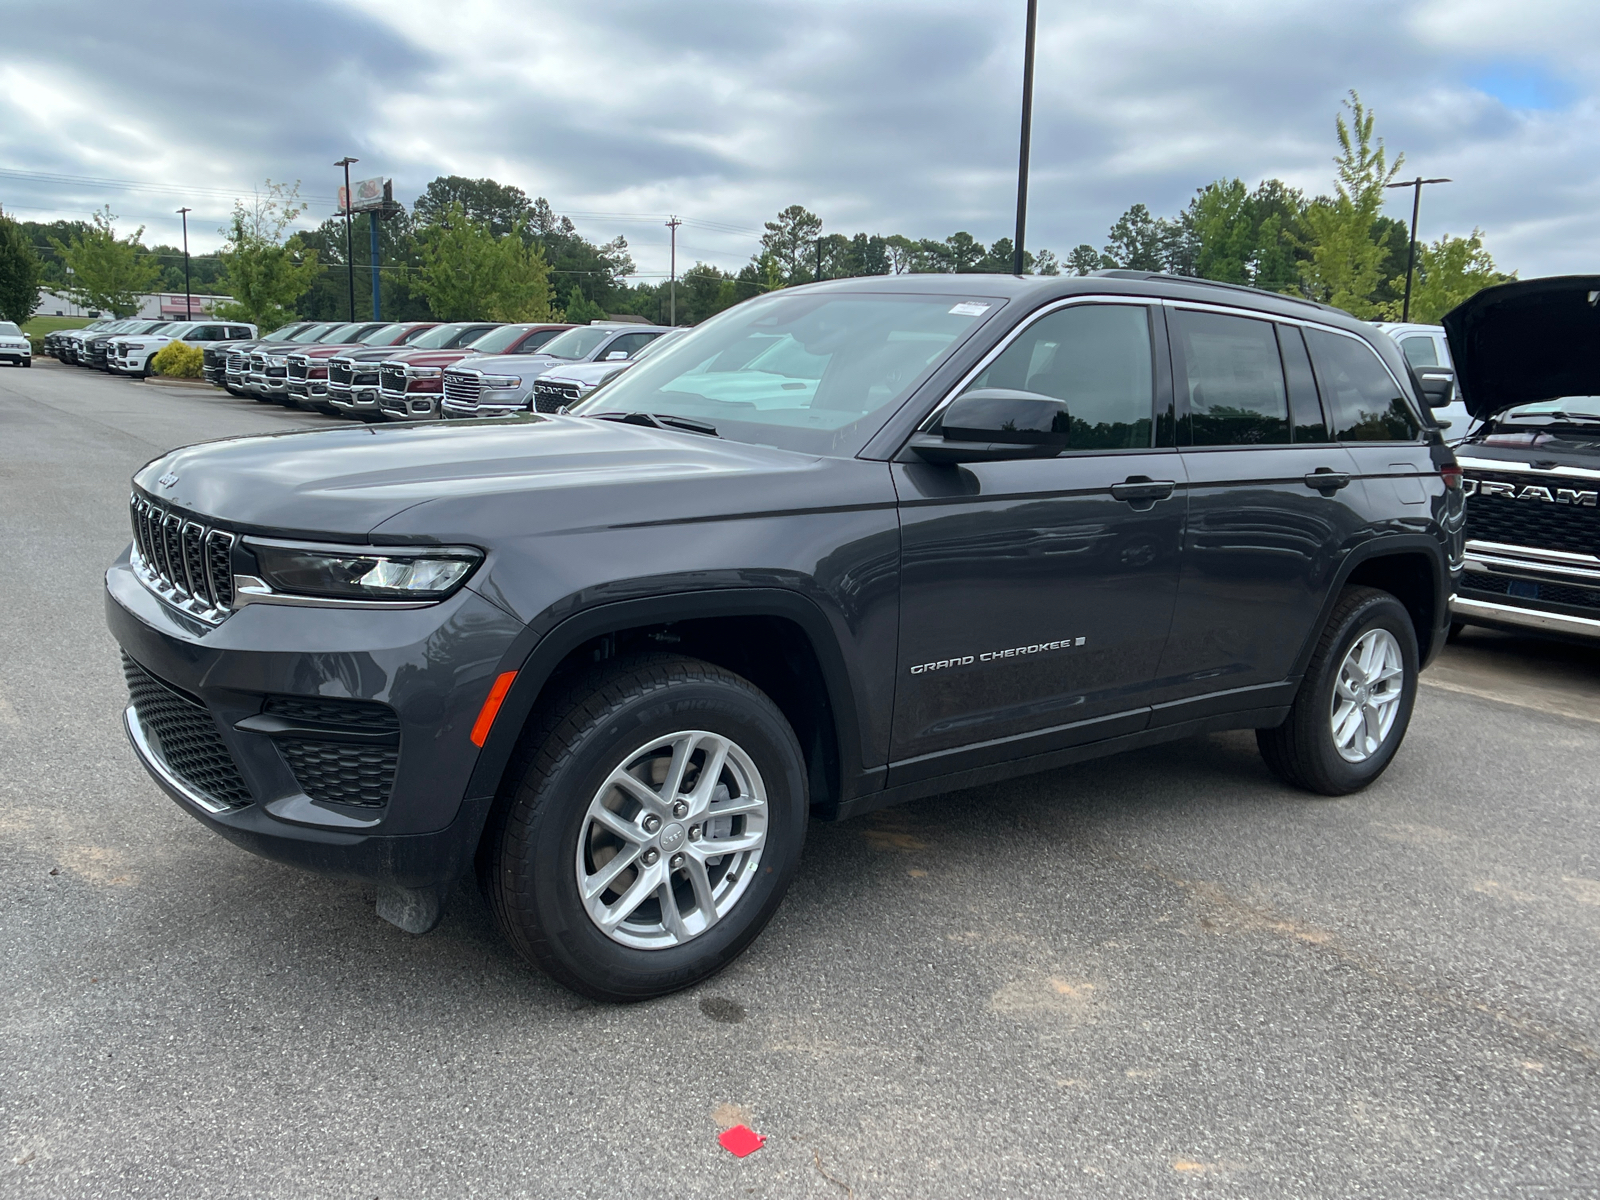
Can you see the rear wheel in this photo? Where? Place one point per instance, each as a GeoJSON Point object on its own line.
{"type": "Point", "coordinates": [656, 823]}
{"type": "Point", "coordinates": [1354, 704]}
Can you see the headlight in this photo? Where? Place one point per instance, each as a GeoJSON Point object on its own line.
{"type": "Point", "coordinates": [424, 372]}
{"type": "Point", "coordinates": [502, 381]}
{"type": "Point", "coordinates": [354, 574]}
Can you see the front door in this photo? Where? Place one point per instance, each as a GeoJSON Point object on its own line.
{"type": "Point", "coordinates": [1036, 595]}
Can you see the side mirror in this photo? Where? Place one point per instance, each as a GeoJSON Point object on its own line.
{"type": "Point", "coordinates": [995, 424]}
{"type": "Point", "coordinates": [1437, 389]}
{"type": "Point", "coordinates": [617, 356]}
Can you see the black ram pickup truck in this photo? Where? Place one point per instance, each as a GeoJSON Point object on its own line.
{"type": "Point", "coordinates": [840, 547]}
{"type": "Point", "coordinates": [1528, 358]}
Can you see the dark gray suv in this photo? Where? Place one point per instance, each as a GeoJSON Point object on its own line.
{"type": "Point", "coordinates": [841, 547]}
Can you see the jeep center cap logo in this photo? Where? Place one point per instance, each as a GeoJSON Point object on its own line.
{"type": "Point", "coordinates": [672, 837]}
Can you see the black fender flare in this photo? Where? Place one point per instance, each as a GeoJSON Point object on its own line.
{"type": "Point", "coordinates": [1387, 546]}
{"type": "Point", "coordinates": [535, 656]}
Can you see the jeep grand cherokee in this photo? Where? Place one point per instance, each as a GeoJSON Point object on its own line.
{"type": "Point", "coordinates": [840, 547]}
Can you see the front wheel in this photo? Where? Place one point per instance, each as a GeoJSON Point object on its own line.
{"type": "Point", "coordinates": [655, 827]}
{"type": "Point", "coordinates": [1354, 704]}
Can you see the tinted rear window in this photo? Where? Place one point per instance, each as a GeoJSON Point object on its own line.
{"type": "Point", "coordinates": [1362, 400]}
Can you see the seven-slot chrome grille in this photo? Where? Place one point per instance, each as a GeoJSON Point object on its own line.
{"type": "Point", "coordinates": [551, 397]}
{"type": "Point", "coordinates": [462, 387]}
{"type": "Point", "coordinates": [186, 563]}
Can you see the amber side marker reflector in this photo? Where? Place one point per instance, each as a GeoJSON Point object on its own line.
{"type": "Point", "coordinates": [491, 708]}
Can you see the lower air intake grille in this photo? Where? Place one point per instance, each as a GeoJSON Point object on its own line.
{"type": "Point", "coordinates": [342, 772]}
{"type": "Point", "coordinates": [181, 732]}
{"type": "Point", "coordinates": [1527, 589]}
{"type": "Point", "coordinates": [364, 715]}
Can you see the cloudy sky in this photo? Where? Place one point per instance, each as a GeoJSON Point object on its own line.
{"type": "Point", "coordinates": [879, 115]}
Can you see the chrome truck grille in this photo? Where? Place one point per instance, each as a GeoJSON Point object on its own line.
{"type": "Point", "coordinates": [185, 562]}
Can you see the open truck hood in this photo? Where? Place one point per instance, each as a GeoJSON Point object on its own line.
{"type": "Point", "coordinates": [1534, 339]}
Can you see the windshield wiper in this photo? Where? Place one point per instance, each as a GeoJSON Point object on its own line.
{"type": "Point", "coordinates": [661, 421]}
{"type": "Point", "coordinates": [1557, 415]}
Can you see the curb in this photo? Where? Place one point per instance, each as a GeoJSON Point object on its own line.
{"type": "Point", "coordinates": [161, 381]}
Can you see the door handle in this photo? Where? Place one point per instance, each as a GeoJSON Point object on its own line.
{"type": "Point", "coordinates": [1142, 487]}
{"type": "Point", "coordinates": [1327, 482]}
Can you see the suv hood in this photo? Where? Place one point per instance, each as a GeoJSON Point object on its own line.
{"type": "Point", "coordinates": [339, 484]}
{"type": "Point", "coordinates": [1537, 339]}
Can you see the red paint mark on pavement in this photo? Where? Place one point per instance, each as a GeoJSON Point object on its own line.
{"type": "Point", "coordinates": [741, 1140]}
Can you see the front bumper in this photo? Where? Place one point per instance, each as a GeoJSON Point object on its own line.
{"type": "Point", "coordinates": [1522, 587]}
{"type": "Point", "coordinates": [353, 398]}
{"type": "Point", "coordinates": [16, 356]}
{"type": "Point", "coordinates": [500, 403]}
{"type": "Point", "coordinates": [409, 406]}
{"type": "Point", "coordinates": [432, 666]}
{"type": "Point", "coordinates": [263, 384]}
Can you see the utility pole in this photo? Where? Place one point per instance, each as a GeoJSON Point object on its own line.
{"type": "Point", "coordinates": [188, 304]}
{"type": "Point", "coordinates": [819, 258]}
{"type": "Point", "coordinates": [1416, 185]}
{"type": "Point", "coordinates": [1017, 259]}
{"type": "Point", "coordinates": [673, 225]}
{"type": "Point", "coordinates": [372, 218]}
{"type": "Point", "coordinates": [349, 245]}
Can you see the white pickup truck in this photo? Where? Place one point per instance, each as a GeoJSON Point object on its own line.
{"type": "Point", "coordinates": [131, 355]}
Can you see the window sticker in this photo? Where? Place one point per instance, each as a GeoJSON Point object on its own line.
{"type": "Point", "coordinates": [969, 309]}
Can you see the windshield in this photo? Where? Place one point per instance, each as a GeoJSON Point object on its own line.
{"type": "Point", "coordinates": [383, 335]}
{"type": "Point", "coordinates": [576, 343]}
{"type": "Point", "coordinates": [284, 334]}
{"type": "Point", "coordinates": [655, 345]}
{"type": "Point", "coordinates": [817, 373]}
{"type": "Point", "coordinates": [314, 333]}
{"type": "Point", "coordinates": [497, 340]}
{"type": "Point", "coordinates": [440, 337]}
{"type": "Point", "coordinates": [8, 329]}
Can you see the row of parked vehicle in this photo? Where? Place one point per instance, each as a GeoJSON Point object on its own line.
{"type": "Point", "coordinates": [374, 370]}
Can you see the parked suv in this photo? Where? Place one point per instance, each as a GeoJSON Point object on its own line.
{"type": "Point", "coordinates": [131, 354]}
{"type": "Point", "coordinates": [512, 384]}
{"type": "Point", "coordinates": [484, 388]}
{"type": "Point", "coordinates": [15, 348]}
{"type": "Point", "coordinates": [842, 546]}
{"type": "Point", "coordinates": [1427, 351]}
{"type": "Point", "coordinates": [1526, 360]}
{"type": "Point", "coordinates": [409, 382]}
{"type": "Point", "coordinates": [308, 368]}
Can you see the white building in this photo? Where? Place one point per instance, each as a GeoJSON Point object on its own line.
{"type": "Point", "coordinates": [152, 307]}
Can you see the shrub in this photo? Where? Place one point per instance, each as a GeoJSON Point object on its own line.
{"type": "Point", "coordinates": [179, 361]}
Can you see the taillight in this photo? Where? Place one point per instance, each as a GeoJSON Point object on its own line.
{"type": "Point", "coordinates": [1451, 474]}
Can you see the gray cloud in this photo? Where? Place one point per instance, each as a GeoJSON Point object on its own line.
{"type": "Point", "coordinates": [889, 116]}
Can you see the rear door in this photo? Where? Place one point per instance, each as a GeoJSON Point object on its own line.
{"type": "Point", "coordinates": [1036, 594]}
{"type": "Point", "coordinates": [1272, 503]}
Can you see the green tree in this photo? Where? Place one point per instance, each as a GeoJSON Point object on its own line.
{"type": "Point", "coordinates": [469, 274]}
{"type": "Point", "coordinates": [580, 311]}
{"type": "Point", "coordinates": [1344, 263]}
{"type": "Point", "coordinates": [498, 205]}
{"type": "Point", "coordinates": [265, 271]}
{"type": "Point", "coordinates": [106, 272]}
{"type": "Point", "coordinates": [1135, 241]}
{"type": "Point", "coordinates": [792, 242]}
{"type": "Point", "coordinates": [19, 273]}
{"type": "Point", "coordinates": [1449, 271]}
{"type": "Point", "coordinates": [1085, 258]}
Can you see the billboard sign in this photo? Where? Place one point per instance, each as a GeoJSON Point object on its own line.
{"type": "Point", "coordinates": [369, 194]}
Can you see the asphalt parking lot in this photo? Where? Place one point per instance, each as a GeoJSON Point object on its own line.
{"type": "Point", "coordinates": [1154, 975]}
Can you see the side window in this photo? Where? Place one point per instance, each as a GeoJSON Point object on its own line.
{"type": "Point", "coordinates": [207, 333]}
{"type": "Point", "coordinates": [1233, 379]}
{"type": "Point", "coordinates": [1363, 401]}
{"type": "Point", "coordinates": [1420, 351]}
{"type": "Point", "coordinates": [1305, 410]}
{"type": "Point", "coordinates": [238, 333]}
{"type": "Point", "coordinates": [1096, 358]}
{"type": "Point", "coordinates": [535, 339]}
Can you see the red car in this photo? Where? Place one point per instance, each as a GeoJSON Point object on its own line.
{"type": "Point", "coordinates": [308, 368]}
{"type": "Point", "coordinates": [410, 385]}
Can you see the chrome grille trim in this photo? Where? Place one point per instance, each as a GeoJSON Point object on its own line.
{"type": "Point", "coordinates": [184, 562]}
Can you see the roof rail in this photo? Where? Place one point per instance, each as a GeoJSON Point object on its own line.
{"type": "Point", "coordinates": [1123, 273]}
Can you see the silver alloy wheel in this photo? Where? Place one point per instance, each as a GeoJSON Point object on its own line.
{"type": "Point", "coordinates": [672, 840]}
{"type": "Point", "coordinates": [1366, 695]}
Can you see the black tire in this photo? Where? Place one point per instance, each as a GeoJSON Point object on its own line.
{"type": "Point", "coordinates": [527, 863]}
{"type": "Point", "coordinates": [1301, 751]}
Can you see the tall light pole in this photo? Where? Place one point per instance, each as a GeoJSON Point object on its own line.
{"type": "Point", "coordinates": [1017, 258]}
{"type": "Point", "coordinates": [349, 248]}
{"type": "Point", "coordinates": [673, 287]}
{"type": "Point", "coordinates": [1417, 185]}
{"type": "Point", "coordinates": [188, 304]}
